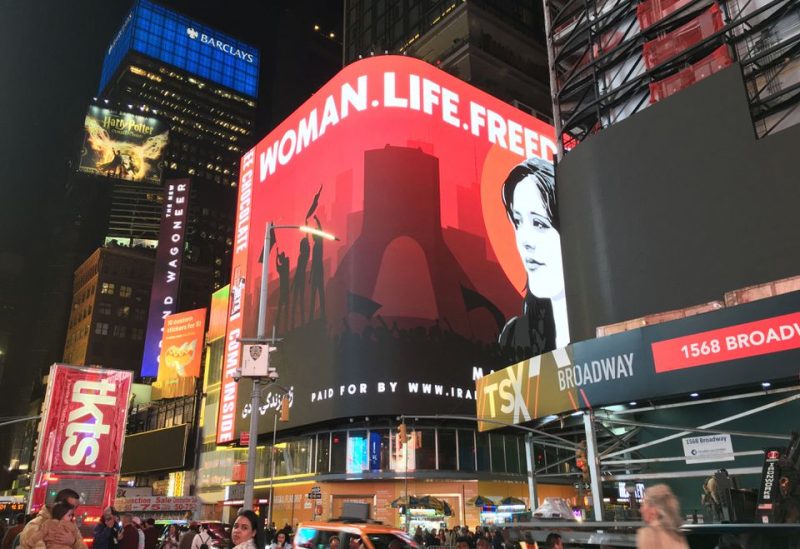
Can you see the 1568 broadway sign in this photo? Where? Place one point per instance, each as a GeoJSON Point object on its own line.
{"type": "Point", "coordinates": [732, 347]}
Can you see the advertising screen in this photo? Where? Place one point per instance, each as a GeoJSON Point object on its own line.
{"type": "Point", "coordinates": [123, 145]}
{"type": "Point", "coordinates": [448, 256]}
{"type": "Point", "coordinates": [181, 354]}
{"type": "Point", "coordinates": [219, 315]}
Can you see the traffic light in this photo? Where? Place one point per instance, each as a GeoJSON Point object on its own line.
{"type": "Point", "coordinates": [285, 408]}
{"type": "Point", "coordinates": [580, 460]}
{"type": "Point", "coordinates": [402, 434]}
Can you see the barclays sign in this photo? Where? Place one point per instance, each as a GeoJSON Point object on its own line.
{"type": "Point", "coordinates": [220, 45]}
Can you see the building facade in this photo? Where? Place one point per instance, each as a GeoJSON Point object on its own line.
{"type": "Point", "coordinates": [495, 46]}
{"type": "Point", "coordinates": [203, 84]}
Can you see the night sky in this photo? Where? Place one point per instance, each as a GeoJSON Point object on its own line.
{"type": "Point", "coordinates": [51, 53]}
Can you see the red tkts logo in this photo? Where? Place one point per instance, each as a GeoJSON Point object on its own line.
{"type": "Point", "coordinates": [87, 420]}
{"type": "Point", "coordinates": [773, 454]}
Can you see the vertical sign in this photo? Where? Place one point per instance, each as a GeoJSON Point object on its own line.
{"type": "Point", "coordinates": [166, 276]}
{"type": "Point", "coordinates": [227, 399]}
{"type": "Point", "coordinates": [82, 432]}
{"type": "Point", "coordinates": [769, 484]}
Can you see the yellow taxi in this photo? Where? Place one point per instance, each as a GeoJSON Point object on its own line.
{"type": "Point", "coordinates": [350, 535]}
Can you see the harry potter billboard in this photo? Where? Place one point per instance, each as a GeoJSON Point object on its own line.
{"type": "Point", "coordinates": [123, 145]}
{"type": "Point", "coordinates": [448, 259]}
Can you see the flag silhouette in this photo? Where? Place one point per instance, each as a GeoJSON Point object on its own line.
{"type": "Point", "coordinates": [475, 300]}
{"type": "Point", "coordinates": [361, 305]}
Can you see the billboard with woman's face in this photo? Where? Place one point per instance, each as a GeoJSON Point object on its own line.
{"type": "Point", "coordinates": [447, 262]}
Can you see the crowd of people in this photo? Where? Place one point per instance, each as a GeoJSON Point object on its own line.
{"type": "Point", "coordinates": [54, 527]}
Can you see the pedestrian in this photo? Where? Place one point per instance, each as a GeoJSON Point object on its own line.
{"type": "Point", "coordinates": [128, 536]}
{"type": "Point", "coordinates": [30, 534]}
{"type": "Point", "coordinates": [13, 532]}
{"type": "Point", "coordinates": [269, 533]}
{"type": "Point", "coordinates": [105, 532]}
{"type": "Point", "coordinates": [150, 534]}
{"type": "Point", "coordinates": [59, 526]}
{"type": "Point", "coordinates": [137, 522]}
{"type": "Point", "coordinates": [188, 536]}
{"type": "Point", "coordinates": [203, 539]}
{"type": "Point", "coordinates": [245, 533]}
{"type": "Point", "coordinates": [553, 541]}
{"type": "Point", "coordinates": [280, 542]}
{"type": "Point", "coordinates": [463, 542]}
{"type": "Point", "coordinates": [661, 511]}
{"type": "Point", "coordinates": [172, 538]}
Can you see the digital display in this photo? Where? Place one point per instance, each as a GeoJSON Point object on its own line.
{"type": "Point", "coordinates": [188, 45]}
{"type": "Point", "coordinates": [448, 258]}
{"type": "Point", "coordinates": [123, 145]}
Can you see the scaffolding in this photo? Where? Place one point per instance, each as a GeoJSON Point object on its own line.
{"type": "Point", "coordinates": [612, 58]}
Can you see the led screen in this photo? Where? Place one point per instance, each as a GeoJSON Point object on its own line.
{"type": "Point", "coordinates": [123, 145]}
{"type": "Point", "coordinates": [448, 261]}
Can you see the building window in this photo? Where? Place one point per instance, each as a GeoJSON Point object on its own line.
{"type": "Point", "coordinates": [104, 309]}
{"type": "Point", "coordinates": [447, 449]}
{"type": "Point", "coordinates": [101, 328]}
{"type": "Point", "coordinates": [125, 291]}
{"type": "Point", "coordinates": [137, 334]}
{"type": "Point", "coordinates": [123, 312]}
{"type": "Point", "coordinates": [107, 288]}
{"type": "Point", "coordinates": [119, 331]}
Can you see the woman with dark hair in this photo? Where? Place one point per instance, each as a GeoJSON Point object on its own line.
{"type": "Point", "coordinates": [247, 532]}
{"type": "Point", "coordinates": [529, 197]}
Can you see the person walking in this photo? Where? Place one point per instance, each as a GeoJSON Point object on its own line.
{"type": "Point", "coordinates": [661, 511]}
{"type": "Point", "coordinates": [203, 538]}
{"type": "Point", "coordinates": [150, 534]}
{"type": "Point", "coordinates": [281, 541]}
{"type": "Point", "coordinates": [105, 532]}
{"type": "Point", "coordinates": [172, 538]}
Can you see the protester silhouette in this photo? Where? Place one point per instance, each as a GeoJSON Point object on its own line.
{"type": "Point", "coordinates": [284, 281]}
{"type": "Point", "coordinates": [299, 288]}
{"type": "Point", "coordinates": [317, 274]}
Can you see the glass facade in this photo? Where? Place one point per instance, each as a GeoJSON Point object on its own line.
{"type": "Point", "coordinates": [185, 44]}
{"type": "Point", "coordinates": [361, 451]}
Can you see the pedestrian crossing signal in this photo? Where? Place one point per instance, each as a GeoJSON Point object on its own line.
{"type": "Point", "coordinates": [285, 408]}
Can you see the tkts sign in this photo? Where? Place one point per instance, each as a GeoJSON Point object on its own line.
{"type": "Point", "coordinates": [84, 420]}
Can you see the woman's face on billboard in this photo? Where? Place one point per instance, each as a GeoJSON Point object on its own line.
{"type": "Point", "coordinates": [538, 242]}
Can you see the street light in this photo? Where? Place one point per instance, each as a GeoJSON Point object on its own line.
{"type": "Point", "coordinates": [272, 378]}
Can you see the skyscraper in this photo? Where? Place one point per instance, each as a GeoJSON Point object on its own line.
{"type": "Point", "coordinates": [203, 83]}
{"type": "Point", "coordinates": [494, 45]}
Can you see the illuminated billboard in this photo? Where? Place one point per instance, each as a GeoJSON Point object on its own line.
{"type": "Point", "coordinates": [172, 38]}
{"type": "Point", "coordinates": [181, 353]}
{"type": "Point", "coordinates": [448, 261]}
{"type": "Point", "coordinates": [123, 145]}
{"type": "Point", "coordinates": [167, 270]}
{"type": "Point", "coordinates": [82, 433]}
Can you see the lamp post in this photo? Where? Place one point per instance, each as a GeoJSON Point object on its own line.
{"type": "Point", "coordinates": [249, 485]}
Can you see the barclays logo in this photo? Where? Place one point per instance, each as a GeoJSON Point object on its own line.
{"type": "Point", "coordinates": [220, 45]}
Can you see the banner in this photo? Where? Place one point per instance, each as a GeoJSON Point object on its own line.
{"type": "Point", "coordinates": [123, 145]}
{"type": "Point", "coordinates": [734, 347]}
{"type": "Point", "coordinates": [448, 259]}
{"type": "Point", "coordinates": [155, 503]}
{"type": "Point", "coordinates": [182, 344]}
{"type": "Point", "coordinates": [82, 430]}
{"type": "Point", "coordinates": [167, 270]}
{"type": "Point", "coordinates": [181, 354]}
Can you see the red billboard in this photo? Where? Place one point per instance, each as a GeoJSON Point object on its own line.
{"type": "Point", "coordinates": [448, 260]}
{"type": "Point", "coordinates": [82, 429]}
